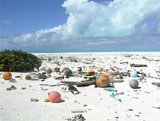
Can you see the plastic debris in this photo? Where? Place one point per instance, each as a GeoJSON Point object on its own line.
{"type": "Point", "coordinates": [109, 88]}
{"type": "Point", "coordinates": [156, 83]}
{"type": "Point", "coordinates": [42, 76]}
{"type": "Point", "coordinates": [44, 84]}
{"type": "Point", "coordinates": [56, 69]}
{"type": "Point", "coordinates": [73, 89]}
{"type": "Point", "coordinates": [138, 65]}
{"type": "Point", "coordinates": [17, 76]}
{"type": "Point", "coordinates": [46, 100]}
{"type": "Point", "coordinates": [133, 74]}
{"type": "Point", "coordinates": [79, 69]}
{"type": "Point", "coordinates": [34, 100]}
{"type": "Point", "coordinates": [112, 95]}
{"type": "Point", "coordinates": [23, 88]}
{"type": "Point", "coordinates": [44, 89]}
{"type": "Point", "coordinates": [11, 88]}
{"type": "Point", "coordinates": [59, 78]}
{"type": "Point", "coordinates": [12, 80]}
{"type": "Point", "coordinates": [119, 100]}
{"type": "Point", "coordinates": [156, 107]}
{"type": "Point", "coordinates": [78, 117]}
{"type": "Point", "coordinates": [78, 111]}
{"type": "Point", "coordinates": [32, 76]}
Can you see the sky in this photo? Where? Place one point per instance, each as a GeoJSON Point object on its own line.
{"type": "Point", "coordinates": [80, 25]}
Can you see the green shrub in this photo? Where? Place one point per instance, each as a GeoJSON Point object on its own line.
{"type": "Point", "coordinates": [18, 61]}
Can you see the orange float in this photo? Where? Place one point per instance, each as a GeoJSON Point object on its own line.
{"type": "Point", "coordinates": [103, 81]}
{"type": "Point", "coordinates": [7, 76]}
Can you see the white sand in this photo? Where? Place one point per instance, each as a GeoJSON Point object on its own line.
{"type": "Point", "coordinates": [136, 105]}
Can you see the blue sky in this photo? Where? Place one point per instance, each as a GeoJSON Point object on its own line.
{"type": "Point", "coordinates": [79, 25]}
{"type": "Point", "coordinates": [26, 16]}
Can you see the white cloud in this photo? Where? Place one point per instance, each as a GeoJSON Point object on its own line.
{"type": "Point", "coordinates": [118, 19]}
{"type": "Point", "coordinates": [91, 21]}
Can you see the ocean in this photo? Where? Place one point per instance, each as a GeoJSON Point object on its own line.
{"type": "Point", "coordinates": [91, 51]}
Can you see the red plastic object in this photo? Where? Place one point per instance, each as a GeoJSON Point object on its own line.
{"type": "Point", "coordinates": [54, 97]}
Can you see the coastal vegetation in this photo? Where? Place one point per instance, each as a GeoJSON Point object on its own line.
{"type": "Point", "coordinates": [18, 61]}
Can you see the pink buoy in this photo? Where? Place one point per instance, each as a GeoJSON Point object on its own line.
{"type": "Point", "coordinates": [54, 97]}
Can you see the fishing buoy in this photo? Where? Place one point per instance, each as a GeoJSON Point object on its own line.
{"type": "Point", "coordinates": [134, 84]}
{"type": "Point", "coordinates": [7, 76]}
{"type": "Point", "coordinates": [99, 69]}
{"type": "Point", "coordinates": [103, 81]}
{"type": "Point", "coordinates": [67, 72]}
{"type": "Point", "coordinates": [90, 72]}
{"type": "Point", "coordinates": [54, 97]}
{"type": "Point", "coordinates": [49, 71]}
{"type": "Point", "coordinates": [28, 77]}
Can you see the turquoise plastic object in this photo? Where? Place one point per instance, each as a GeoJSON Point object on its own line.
{"type": "Point", "coordinates": [133, 74]}
{"type": "Point", "coordinates": [119, 100]}
{"type": "Point", "coordinates": [112, 95]}
{"type": "Point", "coordinates": [109, 88]}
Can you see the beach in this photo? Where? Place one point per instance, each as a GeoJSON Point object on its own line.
{"type": "Point", "coordinates": [26, 101]}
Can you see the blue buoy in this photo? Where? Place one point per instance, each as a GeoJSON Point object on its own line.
{"type": "Point", "coordinates": [133, 74]}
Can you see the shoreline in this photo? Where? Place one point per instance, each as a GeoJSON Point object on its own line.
{"type": "Point", "coordinates": [158, 51]}
{"type": "Point", "coordinates": [151, 54]}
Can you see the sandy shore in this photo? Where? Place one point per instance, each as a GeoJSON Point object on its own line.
{"type": "Point", "coordinates": [95, 104]}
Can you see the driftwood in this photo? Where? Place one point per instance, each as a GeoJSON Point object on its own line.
{"type": "Point", "coordinates": [87, 83]}
{"type": "Point", "coordinates": [115, 80]}
{"type": "Point", "coordinates": [124, 63]}
{"type": "Point", "coordinates": [153, 77]}
{"type": "Point", "coordinates": [156, 107]}
{"type": "Point", "coordinates": [79, 84]}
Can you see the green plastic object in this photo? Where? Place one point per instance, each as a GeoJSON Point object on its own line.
{"type": "Point", "coordinates": [119, 100]}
